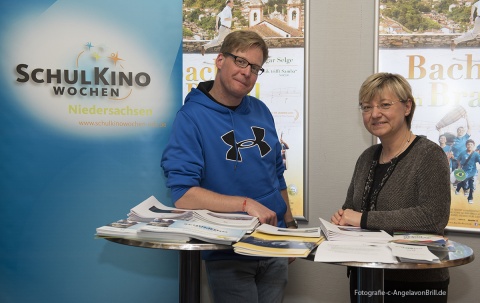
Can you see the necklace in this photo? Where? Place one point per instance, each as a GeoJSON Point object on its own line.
{"type": "Point", "coordinates": [382, 161]}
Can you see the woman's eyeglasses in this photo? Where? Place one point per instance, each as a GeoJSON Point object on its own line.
{"type": "Point", "coordinates": [384, 106]}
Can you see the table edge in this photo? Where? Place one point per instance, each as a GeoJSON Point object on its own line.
{"type": "Point", "coordinates": [191, 245]}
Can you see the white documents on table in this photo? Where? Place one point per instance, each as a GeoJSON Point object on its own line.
{"type": "Point", "coordinates": [354, 251]}
{"type": "Point", "coordinates": [413, 253]}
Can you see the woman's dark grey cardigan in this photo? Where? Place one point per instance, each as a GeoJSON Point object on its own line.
{"type": "Point", "coordinates": [416, 197]}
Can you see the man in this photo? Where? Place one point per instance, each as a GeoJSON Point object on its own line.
{"type": "Point", "coordinates": [442, 140]}
{"type": "Point", "coordinates": [460, 140]}
{"type": "Point", "coordinates": [225, 17]}
{"type": "Point", "coordinates": [468, 160]}
{"type": "Point", "coordinates": [224, 155]}
{"type": "Point", "coordinates": [470, 35]}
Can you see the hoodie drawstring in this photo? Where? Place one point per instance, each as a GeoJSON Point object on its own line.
{"type": "Point", "coordinates": [234, 140]}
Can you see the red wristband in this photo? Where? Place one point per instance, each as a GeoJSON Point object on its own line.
{"type": "Point", "coordinates": [244, 205]}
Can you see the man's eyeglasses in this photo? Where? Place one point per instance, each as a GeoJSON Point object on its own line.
{"type": "Point", "coordinates": [242, 62]}
{"type": "Point", "coordinates": [384, 106]}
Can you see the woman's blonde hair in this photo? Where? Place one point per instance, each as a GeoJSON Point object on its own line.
{"type": "Point", "coordinates": [376, 84]}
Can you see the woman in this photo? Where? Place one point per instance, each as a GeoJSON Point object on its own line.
{"type": "Point", "coordinates": [401, 184]}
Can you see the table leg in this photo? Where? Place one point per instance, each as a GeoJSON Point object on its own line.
{"type": "Point", "coordinates": [189, 279]}
{"type": "Point", "coordinates": [370, 283]}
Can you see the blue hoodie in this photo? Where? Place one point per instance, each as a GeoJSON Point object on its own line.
{"type": "Point", "coordinates": [230, 152]}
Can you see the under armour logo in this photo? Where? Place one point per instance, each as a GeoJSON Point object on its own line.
{"type": "Point", "coordinates": [259, 134]}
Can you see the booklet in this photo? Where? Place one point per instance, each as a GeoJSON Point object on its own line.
{"type": "Point", "coordinates": [298, 232]}
{"type": "Point", "coordinates": [436, 244]}
{"type": "Point", "coordinates": [414, 238]}
{"type": "Point", "coordinates": [161, 228]}
{"type": "Point", "coordinates": [413, 253]}
{"type": "Point", "coordinates": [352, 233]}
{"type": "Point", "coordinates": [265, 245]}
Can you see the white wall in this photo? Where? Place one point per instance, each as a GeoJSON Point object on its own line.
{"type": "Point", "coordinates": [341, 55]}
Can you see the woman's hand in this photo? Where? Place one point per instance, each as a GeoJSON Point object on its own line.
{"type": "Point", "coordinates": [351, 217]}
{"type": "Point", "coordinates": [346, 217]}
{"type": "Point", "coordinates": [337, 217]}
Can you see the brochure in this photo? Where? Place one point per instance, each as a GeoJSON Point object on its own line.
{"type": "Point", "coordinates": [298, 232]}
{"type": "Point", "coordinates": [413, 253]}
{"type": "Point", "coordinates": [413, 238]}
{"type": "Point", "coordinates": [161, 228]}
{"type": "Point", "coordinates": [261, 244]}
{"type": "Point", "coordinates": [351, 233]}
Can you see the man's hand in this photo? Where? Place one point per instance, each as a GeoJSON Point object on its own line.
{"type": "Point", "coordinates": [264, 214]}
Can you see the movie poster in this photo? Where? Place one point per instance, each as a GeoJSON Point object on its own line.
{"type": "Point", "coordinates": [281, 86]}
{"type": "Point", "coordinates": [433, 45]}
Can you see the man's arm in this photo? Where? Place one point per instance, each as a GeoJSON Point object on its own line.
{"type": "Point", "coordinates": [216, 22]}
{"type": "Point", "coordinates": [469, 129]}
{"type": "Point", "coordinates": [472, 13]}
{"type": "Point", "coordinates": [201, 198]}
{"type": "Point", "coordinates": [288, 217]}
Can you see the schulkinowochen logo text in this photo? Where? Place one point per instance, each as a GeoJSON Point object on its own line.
{"type": "Point", "coordinates": [96, 73]}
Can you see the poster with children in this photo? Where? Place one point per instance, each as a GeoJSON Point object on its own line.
{"type": "Point", "coordinates": [438, 53]}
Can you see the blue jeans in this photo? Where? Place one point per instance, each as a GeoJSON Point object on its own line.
{"type": "Point", "coordinates": [467, 184]}
{"type": "Point", "coordinates": [258, 281]}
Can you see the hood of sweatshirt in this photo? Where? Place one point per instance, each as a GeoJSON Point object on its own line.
{"type": "Point", "coordinates": [201, 96]}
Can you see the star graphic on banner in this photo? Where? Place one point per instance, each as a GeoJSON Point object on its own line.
{"type": "Point", "coordinates": [96, 56]}
{"type": "Point", "coordinates": [115, 58]}
{"type": "Point", "coordinates": [89, 45]}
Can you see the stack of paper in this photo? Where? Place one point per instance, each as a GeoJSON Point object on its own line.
{"type": "Point", "coordinates": [437, 244]}
{"type": "Point", "coordinates": [353, 251]}
{"type": "Point", "coordinates": [152, 220]}
{"type": "Point", "coordinates": [270, 241]}
{"type": "Point", "coordinates": [313, 232]}
{"type": "Point", "coordinates": [351, 233]}
{"type": "Point", "coordinates": [353, 244]}
{"type": "Point", "coordinates": [162, 228]}
{"type": "Point", "coordinates": [413, 238]}
{"type": "Point", "coordinates": [151, 209]}
{"type": "Point", "coordinates": [413, 253]}
{"type": "Point", "coordinates": [130, 230]}
{"type": "Point", "coordinates": [121, 228]}
{"type": "Point", "coordinates": [235, 220]}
